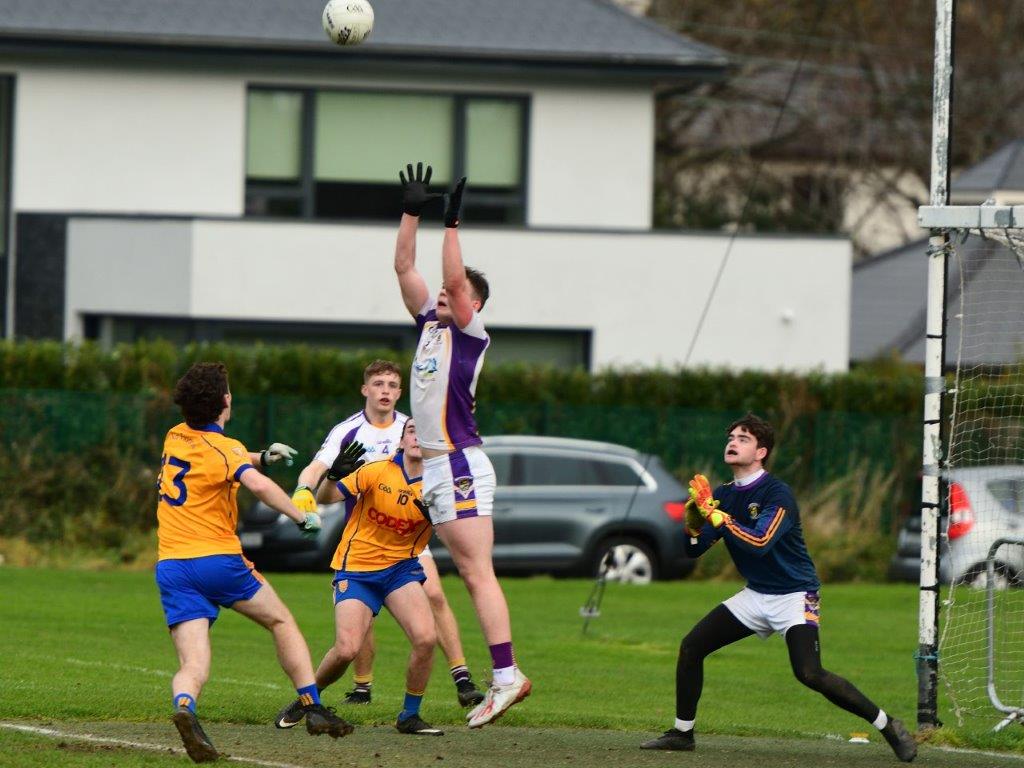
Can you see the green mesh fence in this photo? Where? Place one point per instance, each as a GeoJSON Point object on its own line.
{"type": "Point", "coordinates": [813, 449]}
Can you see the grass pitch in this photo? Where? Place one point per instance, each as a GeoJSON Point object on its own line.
{"type": "Point", "coordinates": [87, 653]}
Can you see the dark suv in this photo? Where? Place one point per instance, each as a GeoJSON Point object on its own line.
{"type": "Point", "coordinates": [561, 506]}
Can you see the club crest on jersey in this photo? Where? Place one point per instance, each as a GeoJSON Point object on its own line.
{"type": "Point", "coordinates": [341, 587]}
{"type": "Point", "coordinates": [425, 369]}
{"type": "Point", "coordinates": [753, 510]}
{"type": "Point", "coordinates": [464, 486]}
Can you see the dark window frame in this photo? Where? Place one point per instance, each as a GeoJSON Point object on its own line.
{"type": "Point", "coordinates": [304, 190]}
{"type": "Point", "coordinates": [8, 84]}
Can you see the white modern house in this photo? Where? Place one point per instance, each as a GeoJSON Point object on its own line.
{"type": "Point", "coordinates": [200, 169]}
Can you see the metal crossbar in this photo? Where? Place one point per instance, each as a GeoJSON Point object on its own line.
{"type": "Point", "coordinates": [971, 216]}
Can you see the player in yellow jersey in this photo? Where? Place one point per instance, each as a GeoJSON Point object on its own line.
{"type": "Point", "coordinates": [376, 564]}
{"type": "Point", "coordinates": [378, 426]}
{"type": "Point", "coordinates": [201, 567]}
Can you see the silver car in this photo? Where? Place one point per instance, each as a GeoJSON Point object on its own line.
{"type": "Point", "coordinates": [567, 506]}
{"type": "Point", "coordinates": [985, 504]}
{"type": "Point", "coordinates": [562, 506]}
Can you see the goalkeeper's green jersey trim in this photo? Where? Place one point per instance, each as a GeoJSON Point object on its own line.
{"type": "Point", "coordinates": [764, 537]}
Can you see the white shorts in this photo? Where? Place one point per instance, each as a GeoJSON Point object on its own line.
{"type": "Point", "coordinates": [426, 552]}
{"type": "Point", "coordinates": [458, 485]}
{"type": "Point", "coordinates": [766, 614]}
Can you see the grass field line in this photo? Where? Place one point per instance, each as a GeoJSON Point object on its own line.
{"type": "Point", "coordinates": [132, 744]}
{"type": "Point", "coordinates": [164, 673]}
{"type": "Point", "coordinates": [982, 752]}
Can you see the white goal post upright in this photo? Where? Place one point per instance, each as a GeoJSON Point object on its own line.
{"type": "Point", "coordinates": [932, 455]}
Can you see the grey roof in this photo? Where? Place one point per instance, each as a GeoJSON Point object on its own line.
{"type": "Point", "coordinates": [984, 283]}
{"type": "Point", "coordinates": [564, 31]}
{"type": "Point", "coordinates": [1004, 169]}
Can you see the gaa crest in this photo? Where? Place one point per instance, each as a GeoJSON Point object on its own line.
{"type": "Point", "coordinates": [753, 510]}
{"type": "Point", "coordinates": [341, 586]}
{"type": "Point", "coordinates": [464, 485]}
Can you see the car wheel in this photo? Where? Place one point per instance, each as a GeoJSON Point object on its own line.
{"type": "Point", "coordinates": [1003, 577]}
{"type": "Point", "coordinates": [625, 560]}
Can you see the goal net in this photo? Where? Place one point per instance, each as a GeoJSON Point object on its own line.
{"type": "Point", "coordinates": [981, 626]}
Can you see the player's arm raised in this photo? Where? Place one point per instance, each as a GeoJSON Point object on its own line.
{"type": "Point", "coordinates": [350, 458]}
{"type": "Point", "coordinates": [456, 286]}
{"type": "Point", "coordinates": [271, 494]}
{"type": "Point", "coordinates": [414, 198]}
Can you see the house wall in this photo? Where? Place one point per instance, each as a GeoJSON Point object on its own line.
{"type": "Point", "coordinates": [140, 141]}
{"type": "Point", "coordinates": [145, 139]}
{"type": "Point", "coordinates": [782, 303]}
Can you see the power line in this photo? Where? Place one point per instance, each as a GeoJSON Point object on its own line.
{"type": "Point", "coordinates": [750, 191]}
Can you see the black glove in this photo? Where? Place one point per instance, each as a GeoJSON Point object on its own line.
{"type": "Point", "coordinates": [422, 508]}
{"type": "Point", "coordinates": [414, 189]}
{"type": "Point", "coordinates": [350, 458]}
{"type": "Point", "coordinates": [453, 204]}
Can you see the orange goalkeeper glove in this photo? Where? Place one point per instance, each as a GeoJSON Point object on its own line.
{"type": "Point", "coordinates": [700, 495]}
{"type": "Point", "coordinates": [694, 520]}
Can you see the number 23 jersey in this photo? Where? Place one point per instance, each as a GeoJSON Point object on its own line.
{"type": "Point", "coordinates": [197, 511]}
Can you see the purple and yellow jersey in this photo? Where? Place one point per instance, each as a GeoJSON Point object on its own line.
{"type": "Point", "coordinates": [385, 527]}
{"type": "Point", "coordinates": [197, 512]}
{"type": "Point", "coordinates": [444, 376]}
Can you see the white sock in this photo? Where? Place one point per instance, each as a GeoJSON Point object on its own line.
{"type": "Point", "coordinates": [504, 676]}
{"type": "Point", "coordinates": [882, 720]}
{"type": "Point", "coordinates": [684, 725]}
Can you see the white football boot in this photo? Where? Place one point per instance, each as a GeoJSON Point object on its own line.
{"type": "Point", "coordinates": [498, 699]}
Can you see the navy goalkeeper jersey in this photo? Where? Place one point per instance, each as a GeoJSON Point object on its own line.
{"type": "Point", "coordinates": [764, 537]}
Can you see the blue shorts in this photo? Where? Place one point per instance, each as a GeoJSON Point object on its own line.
{"type": "Point", "coordinates": [195, 588]}
{"type": "Point", "coordinates": [373, 587]}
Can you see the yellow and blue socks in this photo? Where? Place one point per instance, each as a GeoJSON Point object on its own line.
{"type": "Point", "coordinates": [308, 696]}
{"type": "Point", "coordinates": [411, 705]}
{"type": "Point", "coordinates": [184, 700]}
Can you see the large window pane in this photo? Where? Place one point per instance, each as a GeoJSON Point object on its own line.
{"type": "Point", "coordinates": [493, 142]}
{"type": "Point", "coordinates": [564, 349]}
{"type": "Point", "coordinates": [274, 141]}
{"type": "Point", "coordinates": [367, 137]}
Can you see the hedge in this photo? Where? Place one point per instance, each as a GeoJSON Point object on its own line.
{"type": "Point", "coordinates": [318, 373]}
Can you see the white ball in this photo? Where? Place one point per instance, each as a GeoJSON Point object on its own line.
{"type": "Point", "coordinates": [348, 22]}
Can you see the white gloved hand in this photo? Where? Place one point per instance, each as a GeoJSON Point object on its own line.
{"type": "Point", "coordinates": [310, 527]}
{"type": "Point", "coordinates": [275, 453]}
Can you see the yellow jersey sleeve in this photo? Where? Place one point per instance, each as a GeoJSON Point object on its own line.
{"type": "Point", "coordinates": [235, 455]}
{"type": "Point", "coordinates": [361, 480]}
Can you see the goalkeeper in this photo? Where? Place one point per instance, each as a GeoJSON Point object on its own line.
{"type": "Point", "coordinates": [757, 517]}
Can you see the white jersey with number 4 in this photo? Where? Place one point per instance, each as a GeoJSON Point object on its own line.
{"type": "Point", "coordinates": [380, 442]}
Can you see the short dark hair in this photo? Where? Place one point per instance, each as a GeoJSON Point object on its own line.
{"type": "Point", "coordinates": [381, 366]}
{"type": "Point", "coordinates": [481, 287]}
{"type": "Point", "coordinates": [200, 393]}
{"type": "Point", "coordinates": [762, 431]}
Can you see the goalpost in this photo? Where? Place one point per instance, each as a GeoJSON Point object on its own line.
{"type": "Point", "coordinates": [972, 498]}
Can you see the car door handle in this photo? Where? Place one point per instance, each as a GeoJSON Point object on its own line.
{"type": "Point", "coordinates": [596, 510]}
{"type": "Point", "coordinates": [502, 510]}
